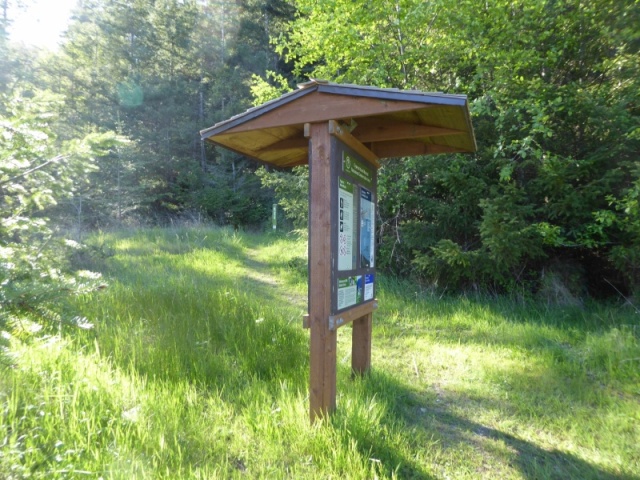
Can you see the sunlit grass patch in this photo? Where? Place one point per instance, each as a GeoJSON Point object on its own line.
{"type": "Point", "coordinates": [198, 368]}
{"type": "Point", "coordinates": [65, 411]}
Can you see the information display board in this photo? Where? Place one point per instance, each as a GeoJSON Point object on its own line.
{"type": "Point", "coordinates": [353, 277]}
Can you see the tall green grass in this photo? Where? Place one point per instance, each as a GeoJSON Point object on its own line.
{"type": "Point", "coordinates": [198, 368]}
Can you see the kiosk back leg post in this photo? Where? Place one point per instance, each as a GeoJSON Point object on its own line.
{"type": "Point", "coordinates": [361, 344]}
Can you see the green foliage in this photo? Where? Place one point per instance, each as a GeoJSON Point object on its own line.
{"type": "Point", "coordinates": [262, 90]}
{"type": "Point", "coordinates": [292, 192]}
{"type": "Point", "coordinates": [291, 188]}
{"type": "Point", "coordinates": [553, 89]}
{"type": "Point", "coordinates": [429, 214]}
{"type": "Point", "coordinates": [230, 194]}
{"type": "Point", "coordinates": [33, 179]}
{"type": "Point", "coordinates": [158, 72]}
{"type": "Point", "coordinates": [625, 222]}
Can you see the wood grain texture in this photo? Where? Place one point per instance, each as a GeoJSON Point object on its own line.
{"type": "Point", "coordinates": [340, 319]}
{"type": "Point", "coordinates": [400, 131]}
{"type": "Point", "coordinates": [338, 131]}
{"type": "Point", "coordinates": [322, 390]}
{"type": "Point", "coordinates": [361, 344]}
{"type": "Point", "coordinates": [409, 148]}
{"type": "Point", "coordinates": [322, 107]}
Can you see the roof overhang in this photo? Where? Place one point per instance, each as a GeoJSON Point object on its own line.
{"type": "Point", "coordinates": [389, 122]}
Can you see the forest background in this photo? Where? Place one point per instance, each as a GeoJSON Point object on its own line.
{"type": "Point", "coordinates": [102, 132]}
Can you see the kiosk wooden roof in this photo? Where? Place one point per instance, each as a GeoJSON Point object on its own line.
{"type": "Point", "coordinates": [389, 122]}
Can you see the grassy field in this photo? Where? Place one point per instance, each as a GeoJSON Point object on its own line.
{"type": "Point", "coordinates": [198, 368]}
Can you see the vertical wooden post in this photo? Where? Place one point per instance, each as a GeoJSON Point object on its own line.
{"type": "Point", "coordinates": [322, 391]}
{"type": "Point", "coordinates": [361, 344]}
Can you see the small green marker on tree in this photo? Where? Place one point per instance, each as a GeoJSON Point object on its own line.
{"type": "Point", "coordinates": [275, 215]}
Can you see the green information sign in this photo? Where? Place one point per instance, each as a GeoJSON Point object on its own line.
{"type": "Point", "coordinates": [357, 169]}
{"type": "Point", "coordinates": [350, 291]}
{"type": "Point", "coordinates": [275, 215]}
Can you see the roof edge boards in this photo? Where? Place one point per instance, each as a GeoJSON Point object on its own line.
{"type": "Point", "coordinates": [254, 112]}
{"type": "Point", "coordinates": [395, 95]}
{"type": "Point", "coordinates": [440, 99]}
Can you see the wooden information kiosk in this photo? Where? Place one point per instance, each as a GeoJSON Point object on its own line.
{"type": "Point", "coordinates": [341, 131]}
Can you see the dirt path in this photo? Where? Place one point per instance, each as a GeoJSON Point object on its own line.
{"type": "Point", "coordinates": [261, 273]}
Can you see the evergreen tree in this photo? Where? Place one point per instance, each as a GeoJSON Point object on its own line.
{"type": "Point", "coordinates": [158, 72]}
{"type": "Point", "coordinates": [35, 175]}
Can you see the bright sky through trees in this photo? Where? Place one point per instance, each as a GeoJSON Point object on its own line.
{"type": "Point", "coordinates": [41, 22]}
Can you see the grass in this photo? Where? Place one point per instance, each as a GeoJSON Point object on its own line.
{"type": "Point", "coordinates": [198, 368]}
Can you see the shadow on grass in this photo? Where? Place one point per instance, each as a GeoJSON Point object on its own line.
{"type": "Point", "coordinates": [594, 347]}
{"type": "Point", "coordinates": [591, 317]}
{"type": "Point", "coordinates": [424, 420]}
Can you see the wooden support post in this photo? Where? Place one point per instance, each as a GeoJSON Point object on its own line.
{"type": "Point", "coordinates": [361, 344]}
{"type": "Point", "coordinates": [322, 391]}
